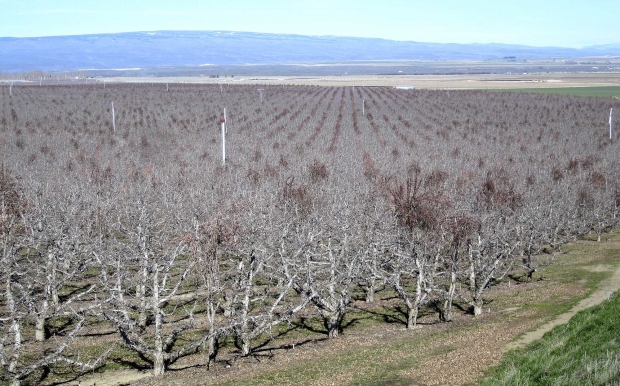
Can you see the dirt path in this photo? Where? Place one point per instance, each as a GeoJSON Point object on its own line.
{"type": "Point", "coordinates": [604, 291]}
{"type": "Point", "coordinates": [112, 378]}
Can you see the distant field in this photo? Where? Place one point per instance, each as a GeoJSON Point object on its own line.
{"type": "Point", "coordinates": [557, 83]}
{"type": "Point", "coordinates": [604, 92]}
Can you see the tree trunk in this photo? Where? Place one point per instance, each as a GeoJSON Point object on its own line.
{"type": "Point", "coordinates": [17, 347]}
{"type": "Point", "coordinates": [159, 365]}
{"type": "Point", "coordinates": [39, 332]}
{"type": "Point", "coordinates": [333, 325]}
{"type": "Point", "coordinates": [475, 288]}
{"type": "Point", "coordinates": [14, 358]}
{"type": "Point", "coordinates": [141, 294]}
{"type": "Point", "coordinates": [16, 327]}
{"type": "Point", "coordinates": [412, 317]}
{"type": "Point", "coordinates": [41, 318]}
{"type": "Point", "coordinates": [227, 306]}
{"type": "Point", "coordinates": [370, 291]}
{"type": "Point", "coordinates": [245, 346]}
{"type": "Point", "coordinates": [119, 281]}
{"type": "Point", "coordinates": [55, 299]}
{"type": "Point", "coordinates": [211, 352]}
{"type": "Point", "coordinates": [472, 275]}
{"type": "Point", "coordinates": [245, 312]}
{"type": "Point", "coordinates": [478, 303]}
{"type": "Point", "coordinates": [210, 343]}
{"type": "Point", "coordinates": [51, 290]}
{"type": "Point", "coordinates": [141, 289]}
{"type": "Point", "coordinates": [447, 307]}
{"type": "Point", "coordinates": [372, 282]}
{"type": "Point", "coordinates": [418, 295]}
{"type": "Point", "coordinates": [446, 312]}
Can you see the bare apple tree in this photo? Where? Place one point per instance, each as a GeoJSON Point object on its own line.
{"type": "Point", "coordinates": [33, 283]}
{"type": "Point", "coordinates": [147, 246]}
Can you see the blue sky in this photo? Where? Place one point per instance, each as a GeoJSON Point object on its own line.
{"type": "Point", "coordinates": [575, 23]}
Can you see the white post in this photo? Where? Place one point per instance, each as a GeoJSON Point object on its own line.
{"type": "Point", "coordinates": [11, 89]}
{"type": "Point", "coordinates": [223, 142]}
{"type": "Point", "coordinates": [113, 122]}
{"type": "Point", "coordinates": [610, 114]}
{"type": "Point", "coordinates": [260, 90]}
{"type": "Point", "coordinates": [104, 84]}
{"type": "Point", "coordinates": [221, 94]}
{"type": "Point", "coordinates": [40, 81]}
{"type": "Point", "coordinates": [166, 86]}
{"type": "Point", "coordinates": [363, 112]}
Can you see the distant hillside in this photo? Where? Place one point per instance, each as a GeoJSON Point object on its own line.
{"type": "Point", "coordinates": [193, 48]}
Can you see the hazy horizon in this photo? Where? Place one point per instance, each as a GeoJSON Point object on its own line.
{"type": "Point", "coordinates": [291, 34]}
{"type": "Point", "coordinates": [532, 23]}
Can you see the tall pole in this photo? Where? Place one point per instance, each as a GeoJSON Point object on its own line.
{"type": "Point", "coordinates": [224, 139]}
{"type": "Point", "coordinates": [363, 112]}
{"type": "Point", "coordinates": [223, 143]}
{"type": "Point", "coordinates": [113, 122]}
{"type": "Point", "coordinates": [610, 120]}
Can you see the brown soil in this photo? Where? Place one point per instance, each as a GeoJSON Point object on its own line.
{"type": "Point", "coordinates": [113, 378]}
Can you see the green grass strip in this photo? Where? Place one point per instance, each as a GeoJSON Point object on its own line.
{"type": "Point", "coordinates": [603, 92]}
{"type": "Point", "coordinates": [585, 351]}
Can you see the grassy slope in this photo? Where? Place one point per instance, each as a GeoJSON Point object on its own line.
{"type": "Point", "coordinates": [586, 351]}
{"type": "Point", "coordinates": [604, 92]}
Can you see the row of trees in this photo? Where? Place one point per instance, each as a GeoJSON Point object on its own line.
{"type": "Point", "coordinates": [142, 233]}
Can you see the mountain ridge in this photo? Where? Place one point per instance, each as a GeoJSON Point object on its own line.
{"type": "Point", "coordinates": [193, 48]}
